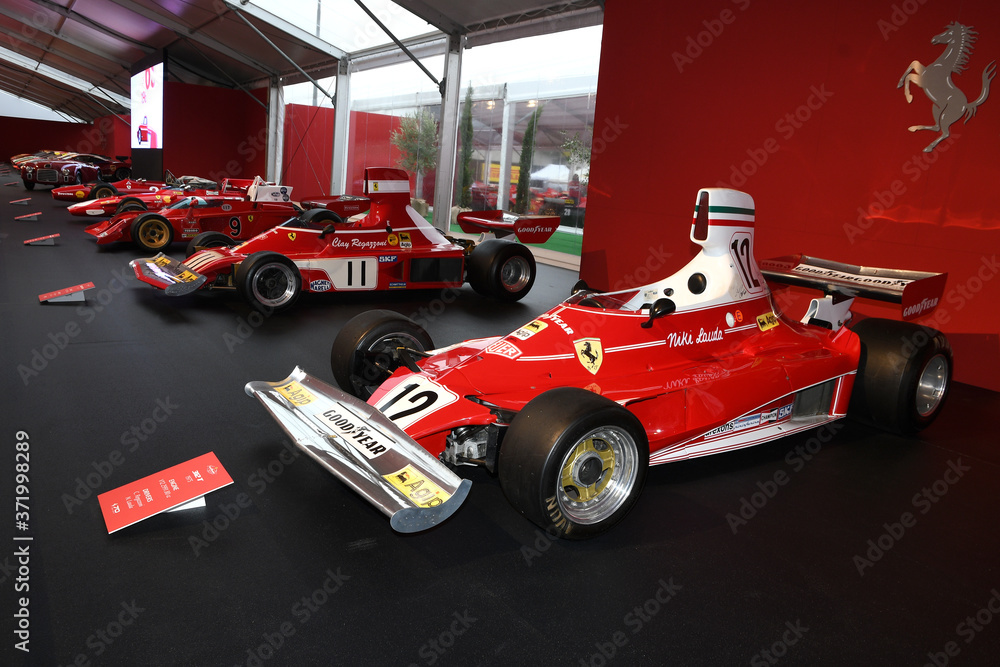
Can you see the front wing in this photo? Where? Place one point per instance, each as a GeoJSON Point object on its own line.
{"type": "Point", "coordinates": [168, 274]}
{"type": "Point", "coordinates": [366, 450]}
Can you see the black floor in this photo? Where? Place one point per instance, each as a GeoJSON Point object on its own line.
{"type": "Point", "coordinates": [823, 569]}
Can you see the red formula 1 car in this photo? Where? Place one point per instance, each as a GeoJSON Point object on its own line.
{"type": "Point", "coordinates": [231, 189]}
{"type": "Point", "coordinates": [391, 247]}
{"type": "Point", "coordinates": [572, 408]}
{"type": "Point", "coordinates": [75, 168]}
{"type": "Point", "coordinates": [128, 186]}
{"type": "Point", "coordinates": [219, 219]}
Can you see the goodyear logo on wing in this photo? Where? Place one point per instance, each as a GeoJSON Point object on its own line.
{"type": "Point", "coordinates": [320, 285]}
{"type": "Point", "coordinates": [767, 321]}
{"type": "Point", "coordinates": [590, 353]}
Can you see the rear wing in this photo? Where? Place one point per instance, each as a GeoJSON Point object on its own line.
{"type": "Point", "coordinates": [918, 292]}
{"type": "Point", "coordinates": [526, 228]}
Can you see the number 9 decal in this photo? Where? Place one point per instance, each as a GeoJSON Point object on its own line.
{"type": "Point", "coordinates": [234, 226]}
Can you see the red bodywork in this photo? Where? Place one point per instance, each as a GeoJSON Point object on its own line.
{"type": "Point", "coordinates": [722, 368]}
{"type": "Point", "coordinates": [74, 168]}
{"type": "Point", "coordinates": [391, 247]}
{"type": "Point", "coordinates": [232, 215]}
{"type": "Point", "coordinates": [233, 189]}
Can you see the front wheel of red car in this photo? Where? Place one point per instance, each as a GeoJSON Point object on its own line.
{"type": "Point", "coordinates": [129, 204]}
{"type": "Point", "coordinates": [366, 350]}
{"type": "Point", "coordinates": [269, 281]}
{"type": "Point", "coordinates": [151, 231]}
{"type": "Point", "coordinates": [103, 191]}
{"type": "Point", "coordinates": [209, 240]}
{"type": "Point", "coordinates": [29, 185]}
{"type": "Point", "coordinates": [573, 462]}
{"type": "Point", "coordinates": [501, 269]}
{"type": "Point", "coordinates": [903, 375]}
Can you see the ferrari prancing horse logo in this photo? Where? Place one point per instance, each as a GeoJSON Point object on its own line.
{"type": "Point", "coordinates": [291, 236]}
{"type": "Point", "coordinates": [590, 353]}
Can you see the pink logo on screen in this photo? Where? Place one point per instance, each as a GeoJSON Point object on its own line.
{"type": "Point", "coordinates": [949, 103]}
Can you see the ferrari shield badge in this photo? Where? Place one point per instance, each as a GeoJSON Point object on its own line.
{"type": "Point", "coordinates": [291, 236]}
{"type": "Point", "coordinates": [590, 353]}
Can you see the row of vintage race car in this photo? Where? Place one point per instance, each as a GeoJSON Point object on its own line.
{"type": "Point", "coordinates": [570, 409]}
{"type": "Point", "coordinates": [61, 168]}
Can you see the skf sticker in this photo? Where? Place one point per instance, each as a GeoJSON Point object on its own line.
{"type": "Point", "coordinates": [767, 321]}
{"type": "Point", "coordinates": [393, 240]}
{"type": "Point", "coordinates": [413, 484]}
{"type": "Point", "coordinates": [387, 259]}
{"type": "Point", "coordinates": [295, 393]}
{"type": "Point", "coordinates": [590, 353]}
{"type": "Point", "coordinates": [529, 330]}
{"type": "Point", "coordinates": [291, 236]}
{"type": "Point", "coordinates": [504, 349]}
{"type": "Point", "coordinates": [397, 285]}
{"type": "Point", "coordinates": [227, 207]}
{"type": "Point", "coordinates": [320, 285]}
{"type": "Point", "coordinates": [404, 240]}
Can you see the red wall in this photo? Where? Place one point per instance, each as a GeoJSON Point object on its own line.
{"type": "Point", "coordinates": [370, 145]}
{"type": "Point", "coordinates": [308, 150]}
{"type": "Point", "coordinates": [798, 105]}
{"type": "Point", "coordinates": [106, 136]}
{"type": "Point", "coordinates": [214, 132]}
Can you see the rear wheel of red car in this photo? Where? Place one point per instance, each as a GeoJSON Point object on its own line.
{"type": "Point", "coordinates": [128, 204]}
{"type": "Point", "coordinates": [501, 269]}
{"type": "Point", "coordinates": [364, 353]}
{"type": "Point", "coordinates": [151, 231]}
{"type": "Point", "coordinates": [573, 462]}
{"type": "Point", "coordinates": [103, 191]}
{"type": "Point", "coordinates": [269, 281]}
{"type": "Point", "coordinates": [209, 240]}
{"type": "Point", "coordinates": [903, 376]}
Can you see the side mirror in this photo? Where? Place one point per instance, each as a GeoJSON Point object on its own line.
{"type": "Point", "coordinates": [329, 229]}
{"type": "Point", "coordinates": [660, 308]}
{"type": "Point", "coordinates": [580, 286]}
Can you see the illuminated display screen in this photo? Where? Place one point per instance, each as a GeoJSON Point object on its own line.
{"type": "Point", "coordinates": [147, 108]}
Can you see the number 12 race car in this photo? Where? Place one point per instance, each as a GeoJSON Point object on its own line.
{"type": "Point", "coordinates": [570, 409]}
{"type": "Point", "coordinates": [391, 247]}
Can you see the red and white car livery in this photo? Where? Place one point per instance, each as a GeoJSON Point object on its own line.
{"type": "Point", "coordinates": [155, 198]}
{"type": "Point", "coordinates": [571, 408]}
{"type": "Point", "coordinates": [391, 247]}
{"type": "Point", "coordinates": [219, 219]}
{"type": "Point", "coordinates": [128, 186]}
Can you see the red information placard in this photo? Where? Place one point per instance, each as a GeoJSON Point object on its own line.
{"type": "Point", "coordinates": [162, 491]}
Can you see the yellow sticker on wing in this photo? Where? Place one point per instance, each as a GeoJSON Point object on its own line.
{"type": "Point", "coordinates": [421, 491]}
{"type": "Point", "coordinates": [295, 393]}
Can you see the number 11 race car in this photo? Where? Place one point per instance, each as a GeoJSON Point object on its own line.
{"type": "Point", "coordinates": [391, 247]}
{"type": "Point", "coordinates": [571, 408]}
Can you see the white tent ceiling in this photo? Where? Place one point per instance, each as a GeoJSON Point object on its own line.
{"type": "Point", "coordinates": [75, 56]}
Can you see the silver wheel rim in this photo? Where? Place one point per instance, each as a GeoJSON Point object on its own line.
{"type": "Point", "coordinates": [514, 274]}
{"type": "Point", "coordinates": [597, 475]}
{"type": "Point", "coordinates": [932, 385]}
{"type": "Point", "coordinates": [273, 284]}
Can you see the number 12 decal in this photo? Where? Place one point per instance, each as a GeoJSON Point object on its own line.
{"type": "Point", "coordinates": [742, 255]}
{"type": "Point", "coordinates": [414, 398]}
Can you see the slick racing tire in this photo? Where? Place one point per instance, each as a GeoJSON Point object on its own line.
{"type": "Point", "coordinates": [128, 204]}
{"type": "Point", "coordinates": [501, 269]}
{"type": "Point", "coordinates": [903, 375]}
{"type": "Point", "coordinates": [269, 281]}
{"type": "Point", "coordinates": [103, 191]}
{"type": "Point", "coordinates": [122, 173]}
{"type": "Point", "coordinates": [573, 462]}
{"type": "Point", "coordinates": [209, 240]}
{"type": "Point", "coordinates": [363, 354]}
{"type": "Point", "coordinates": [151, 231]}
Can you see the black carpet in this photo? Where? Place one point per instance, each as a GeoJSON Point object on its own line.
{"type": "Point", "coordinates": [845, 547]}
